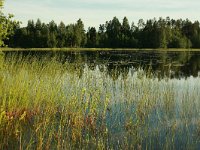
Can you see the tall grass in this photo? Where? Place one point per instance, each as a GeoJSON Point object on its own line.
{"type": "Point", "coordinates": [45, 104]}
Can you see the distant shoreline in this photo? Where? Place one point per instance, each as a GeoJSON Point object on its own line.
{"type": "Point", "coordinates": [98, 49]}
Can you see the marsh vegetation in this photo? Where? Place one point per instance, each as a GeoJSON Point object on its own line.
{"type": "Point", "coordinates": [52, 104]}
{"type": "Point", "coordinates": [69, 97]}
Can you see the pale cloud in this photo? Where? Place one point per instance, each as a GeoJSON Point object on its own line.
{"type": "Point", "coordinates": [95, 12]}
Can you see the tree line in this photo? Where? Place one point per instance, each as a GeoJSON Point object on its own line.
{"type": "Point", "coordinates": [161, 33]}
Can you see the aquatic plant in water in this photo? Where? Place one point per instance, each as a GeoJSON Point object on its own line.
{"type": "Point", "coordinates": [47, 105]}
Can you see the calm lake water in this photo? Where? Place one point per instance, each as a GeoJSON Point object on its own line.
{"type": "Point", "coordinates": [119, 63]}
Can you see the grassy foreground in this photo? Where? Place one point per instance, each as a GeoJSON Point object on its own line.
{"type": "Point", "coordinates": [46, 105]}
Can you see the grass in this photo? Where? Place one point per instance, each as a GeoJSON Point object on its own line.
{"type": "Point", "coordinates": [97, 49]}
{"type": "Point", "coordinates": [45, 104]}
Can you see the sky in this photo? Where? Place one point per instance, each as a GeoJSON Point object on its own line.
{"type": "Point", "coordinates": [96, 12]}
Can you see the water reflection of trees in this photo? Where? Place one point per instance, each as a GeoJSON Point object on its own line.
{"type": "Point", "coordinates": [118, 64]}
{"type": "Point", "coordinates": [192, 66]}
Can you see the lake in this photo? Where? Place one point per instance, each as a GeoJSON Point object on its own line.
{"type": "Point", "coordinates": [102, 99]}
{"type": "Point", "coordinates": [116, 63]}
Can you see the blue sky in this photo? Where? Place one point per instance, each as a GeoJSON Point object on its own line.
{"type": "Point", "coordinates": [95, 12]}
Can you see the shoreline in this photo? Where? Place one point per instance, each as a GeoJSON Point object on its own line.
{"type": "Point", "coordinates": [98, 49]}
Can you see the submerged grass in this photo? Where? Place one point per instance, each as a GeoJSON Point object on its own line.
{"type": "Point", "coordinates": [45, 104]}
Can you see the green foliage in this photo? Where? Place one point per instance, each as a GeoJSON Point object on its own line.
{"type": "Point", "coordinates": [79, 34]}
{"type": "Point", "coordinates": [126, 34]}
{"type": "Point", "coordinates": [7, 26]}
{"type": "Point", "coordinates": [161, 33]}
{"type": "Point", "coordinates": [61, 35]}
{"type": "Point", "coordinates": [92, 37]}
{"type": "Point", "coordinates": [1, 4]}
{"type": "Point", "coordinates": [113, 32]}
{"type": "Point", "coordinates": [46, 105]}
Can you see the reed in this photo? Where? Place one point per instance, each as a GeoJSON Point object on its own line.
{"type": "Point", "coordinates": [45, 104]}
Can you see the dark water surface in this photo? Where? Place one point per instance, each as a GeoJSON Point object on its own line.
{"type": "Point", "coordinates": [116, 63]}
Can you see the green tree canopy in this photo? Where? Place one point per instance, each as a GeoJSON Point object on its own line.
{"type": "Point", "coordinates": [80, 37]}
{"type": "Point", "coordinates": [92, 37]}
{"type": "Point", "coordinates": [161, 33]}
{"type": "Point", "coordinates": [6, 25]}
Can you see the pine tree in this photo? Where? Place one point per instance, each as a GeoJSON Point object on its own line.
{"type": "Point", "coordinates": [126, 33]}
{"type": "Point", "coordinates": [61, 35]}
{"type": "Point", "coordinates": [79, 34]}
{"type": "Point", "coordinates": [92, 39]}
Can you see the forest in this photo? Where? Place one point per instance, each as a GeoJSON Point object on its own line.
{"type": "Point", "coordinates": [161, 33]}
{"type": "Point", "coordinates": [152, 33]}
